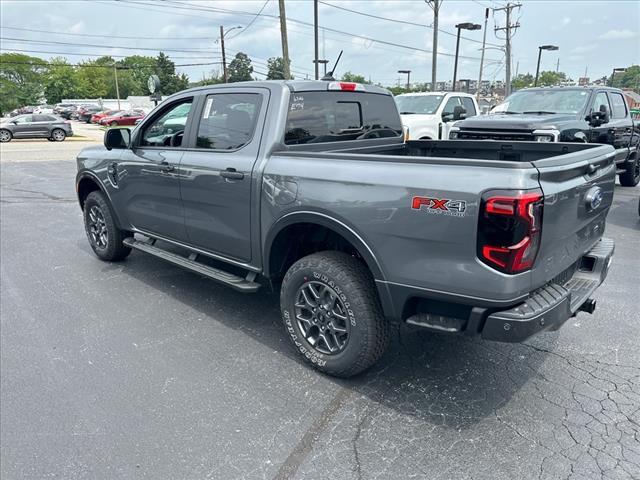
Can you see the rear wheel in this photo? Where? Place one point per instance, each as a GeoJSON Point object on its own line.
{"type": "Point", "coordinates": [631, 176]}
{"type": "Point", "coordinates": [5, 136]}
{"type": "Point", "coordinates": [114, 124]}
{"type": "Point", "coordinates": [332, 313]}
{"type": "Point", "coordinates": [104, 236]}
{"type": "Point", "coordinates": [58, 135]}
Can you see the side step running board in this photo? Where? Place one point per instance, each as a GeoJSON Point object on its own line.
{"type": "Point", "coordinates": [246, 285]}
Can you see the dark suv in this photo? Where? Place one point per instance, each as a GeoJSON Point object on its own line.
{"type": "Point", "coordinates": [50, 127]}
{"type": "Point", "coordinates": [563, 114]}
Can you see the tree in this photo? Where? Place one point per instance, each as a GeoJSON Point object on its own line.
{"type": "Point", "coordinates": [524, 80]}
{"type": "Point", "coordinates": [353, 77]}
{"type": "Point", "coordinates": [550, 78]}
{"type": "Point", "coordinates": [20, 80]}
{"type": "Point", "coordinates": [275, 67]}
{"type": "Point", "coordinates": [240, 68]}
{"type": "Point", "coordinates": [134, 74]}
{"type": "Point", "coordinates": [214, 79]}
{"type": "Point", "coordinates": [630, 78]}
{"type": "Point", "coordinates": [96, 78]}
{"type": "Point", "coordinates": [59, 80]}
{"type": "Point", "coordinates": [170, 81]}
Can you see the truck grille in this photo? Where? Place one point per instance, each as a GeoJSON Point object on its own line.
{"type": "Point", "coordinates": [504, 136]}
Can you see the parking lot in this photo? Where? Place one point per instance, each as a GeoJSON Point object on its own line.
{"type": "Point", "coordinates": [142, 370]}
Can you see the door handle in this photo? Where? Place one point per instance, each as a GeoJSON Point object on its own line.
{"type": "Point", "coordinates": [232, 173]}
{"type": "Point", "coordinates": [167, 167]}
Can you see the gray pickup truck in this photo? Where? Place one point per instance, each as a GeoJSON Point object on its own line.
{"type": "Point", "coordinates": [309, 188]}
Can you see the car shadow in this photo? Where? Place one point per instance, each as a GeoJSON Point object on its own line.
{"type": "Point", "coordinates": [452, 381]}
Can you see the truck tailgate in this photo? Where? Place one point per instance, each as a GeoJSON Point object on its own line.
{"type": "Point", "coordinates": [578, 192]}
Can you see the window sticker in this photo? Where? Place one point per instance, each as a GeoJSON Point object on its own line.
{"type": "Point", "coordinates": [207, 108]}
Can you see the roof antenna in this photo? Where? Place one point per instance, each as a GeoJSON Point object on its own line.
{"type": "Point", "coordinates": [328, 77]}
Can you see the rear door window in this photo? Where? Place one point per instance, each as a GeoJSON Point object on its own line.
{"type": "Point", "coordinates": [228, 120]}
{"type": "Point", "coordinates": [318, 117]}
{"type": "Point", "coordinates": [618, 105]}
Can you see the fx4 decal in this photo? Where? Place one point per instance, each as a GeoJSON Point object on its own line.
{"type": "Point", "coordinates": [440, 206]}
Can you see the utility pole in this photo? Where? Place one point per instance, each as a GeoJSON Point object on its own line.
{"type": "Point", "coordinates": [315, 37]}
{"type": "Point", "coordinates": [115, 73]}
{"type": "Point", "coordinates": [285, 45]}
{"type": "Point", "coordinates": [558, 65]}
{"type": "Point", "coordinates": [435, 6]}
{"type": "Point", "coordinates": [484, 41]}
{"type": "Point", "coordinates": [224, 59]}
{"type": "Point", "coordinates": [509, 31]}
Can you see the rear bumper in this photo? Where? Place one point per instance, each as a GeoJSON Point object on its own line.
{"type": "Point", "coordinates": [549, 307]}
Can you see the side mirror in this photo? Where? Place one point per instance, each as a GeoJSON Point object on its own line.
{"type": "Point", "coordinates": [604, 113]}
{"type": "Point", "coordinates": [118, 138]}
{"type": "Point", "coordinates": [459, 112]}
{"type": "Point", "coordinates": [447, 117]}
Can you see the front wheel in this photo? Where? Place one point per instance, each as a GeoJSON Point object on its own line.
{"type": "Point", "coordinates": [58, 135]}
{"type": "Point", "coordinates": [332, 313]}
{"type": "Point", "coordinates": [114, 124]}
{"type": "Point", "coordinates": [5, 136]}
{"type": "Point", "coordinates": [104, 236]}
{"type": "Point", "coordinates": [631, 175]}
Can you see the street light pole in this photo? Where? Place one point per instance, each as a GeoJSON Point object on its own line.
{"type": "Point", "coordinates": [461, 26]}
{"type": "Point", "coordinates": [484, 41]}
{"type": "Point", "coordinates": [225, 75]}
{"type": "Point", "coordinates": [408, 72]}
{"type": "Point", "coordinates": [540, 48]}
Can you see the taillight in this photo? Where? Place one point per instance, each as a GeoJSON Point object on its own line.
{"type": "Point", "coordinates": [509, 229]}
{"type": "Point", "coordinates": [346, 86]}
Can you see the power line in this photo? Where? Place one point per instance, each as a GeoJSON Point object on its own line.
{"type": "Point", "coordinates": [10, 49]}
{"type": "Point", "coordinates": [106, 36]}
{"type": "Point", "coordinates": [83, 65]}
{"type": "Point", "coordinates": [396, 20]}
{"type": "Point", "coordinates": [174, 5]}
{"type": "Point", "coordinates": [53, 42]}
{"type": "Point", "coordinates": [246, 27]}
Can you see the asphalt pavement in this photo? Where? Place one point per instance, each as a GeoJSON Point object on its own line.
{"type": "Point", "coordinates": [142, 370]}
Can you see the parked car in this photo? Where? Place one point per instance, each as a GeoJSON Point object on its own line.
{"type": "Point", "coordinates": [563, 114]}
{"type": "Point", "coordinates": [128, 117]}
{"type": "Point", "coordinates": [66, 111]}
{"type": "Point", "coordinates": [84, 114]}
{"type": "Point", "coordinates": [43, 109]}
{"type": "Point", "coordinates": [430, 115]}
{"type": "Point", "coordinates": [96, 117]}
{"type": "Point", "coordinates": [310, 185]}
{"type": "Point", "coordinates": [35, 126]}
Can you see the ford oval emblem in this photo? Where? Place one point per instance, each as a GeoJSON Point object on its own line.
{"type": "Point", "coordinates": [594, 198]}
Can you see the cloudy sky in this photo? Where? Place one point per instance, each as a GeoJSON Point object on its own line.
{"type": "Point", "coordinates": [598, 35]}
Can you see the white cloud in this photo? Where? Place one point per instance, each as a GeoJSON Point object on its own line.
{"type": "Point", "coordinates": [583, 49]}
{"type": "Point", "coordinates": [617, 34]}
{"type": "Point", "coordinates": [77, 27]}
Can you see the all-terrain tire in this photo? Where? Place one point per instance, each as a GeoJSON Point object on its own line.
{"type": "Point", "coordinates": [631, 175]}
{"type": "Point", "coordinates": [350, 280]}
{"type": "Point", "coordinates": [104, 236]}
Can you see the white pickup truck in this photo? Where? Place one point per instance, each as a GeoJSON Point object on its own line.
{"type": "Point", "coordinates": [430, 115]}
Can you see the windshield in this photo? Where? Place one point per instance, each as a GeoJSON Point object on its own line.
{"type": "Point", "coordinates": [544, 101]}
{"type": "Point", "coordinates": [420, 104]}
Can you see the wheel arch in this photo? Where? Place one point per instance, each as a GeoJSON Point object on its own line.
{"type": "Point", "coordinates": [292, 222]}
{"type": "Point", "coordinates": [86, 183]}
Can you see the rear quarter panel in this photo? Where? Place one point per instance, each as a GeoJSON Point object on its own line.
{"type": "Point", "coordinates": [429, 250]}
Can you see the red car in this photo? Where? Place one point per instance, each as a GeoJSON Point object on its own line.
{"type": "Point", "coordinates": [128, 117]}
{"type": "Point", "coordinates": [96, 117]}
